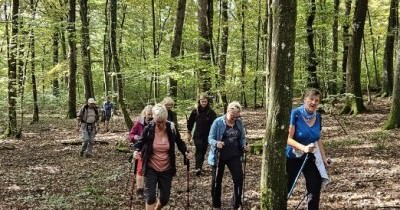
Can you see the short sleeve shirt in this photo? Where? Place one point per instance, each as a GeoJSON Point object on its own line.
{"type": "Point", "coordinates": [304, 134]}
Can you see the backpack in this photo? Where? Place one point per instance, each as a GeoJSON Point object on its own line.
{"type": "Point", "coordinates": [83, 111]}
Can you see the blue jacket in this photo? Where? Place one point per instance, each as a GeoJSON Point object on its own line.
{"type": "Point", "coordinates": [216, 133]}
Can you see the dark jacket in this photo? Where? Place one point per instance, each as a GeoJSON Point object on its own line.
{"type": "Point", "coordinates": [145, 145]}
{"type": "Point", "coordinates": [172, 117]}
{"type": "Point", "coordinates": [200, 121]}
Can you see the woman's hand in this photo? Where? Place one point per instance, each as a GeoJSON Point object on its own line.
{"type": "Point", "coordinates": [220, 144]}
{"type": "Point", "coordinates": [309, 148]}
{"type": "Point", "coordinates": [137, 155]}
{"type": "Point", "coordinates": [189, 155]}
{"type": "Point", "coordinates": [327, 162]}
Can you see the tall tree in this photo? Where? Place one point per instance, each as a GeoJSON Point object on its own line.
{"type": "Point", "coordinates": [374, 49]}
{"type": "Point", "coordinates": [204, 45]}
{"type": "Point", "coordinates": [114, 53]}
{"type": "Point", "coordinates": [176, 45]}
{"type": "Point", "coordinates": [35, 116]}
{"type": "Point", "coordinates": [12, 129]}
{"type": "Point", "coordinates": [72, 59]}
{"type": "Point", "coordinates": [353, 72]}
{"type": "Point", "coordinates": [332, 88]}
{"type": "Point", "coordinates": [346, 40]}
{"type": "Point", "coordinates": [243, 55]}
{"type": "Point", "coordinates": [106, 52]}
{"type": "Point", "coordinates": [224, 50]}
{"type": "Point", "coordinates": [268, 25]}
{"type": "Point", "coordinates": [273, 184]}
{"type": "Point", "coordinates": [85, 46]}
{"type": "Point", "coordinates": [393, 120]}
{"type": "Point", "coordinates": [387, 73]}
{"type": "Point", "coordinates": [56, 85]}
{"type": "Point", "coordinates": [312, 80]}
{"type": "Point", "coordinates": [256, 71]}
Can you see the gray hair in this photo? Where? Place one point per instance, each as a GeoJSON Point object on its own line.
{"type": "Point", "coordinates": [159, 112]}
{"type": "Point", "coordinates": [167, 100]}
{"type": "Point", "coordinates": [146, 110]}
{"type": "Point", "coordinates": [234, 106]}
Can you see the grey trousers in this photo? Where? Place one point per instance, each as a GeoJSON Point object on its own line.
{"type": "Point", "coordinates": [88, 134]}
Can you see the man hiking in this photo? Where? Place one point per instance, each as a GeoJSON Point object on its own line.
{"type": "Point", "coordinates": [107, 110]}
{"type": "Point", "coordinates": [88, 118]}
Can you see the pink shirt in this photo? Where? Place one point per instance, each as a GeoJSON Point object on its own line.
{"type": "Point", "coordinates": [159, 161]}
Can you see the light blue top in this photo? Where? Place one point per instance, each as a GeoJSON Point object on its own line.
{"type": "Point", "coordinates": [216, 133]}
{"type": "Point", "coordinates": [304, 134]}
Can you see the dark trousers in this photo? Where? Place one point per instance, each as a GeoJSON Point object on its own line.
{"type": "Point", "coordinates": [235, 167]}
{"type": "Point", "coordinates": [201, 149]}
{"type": "Point", "coordinates": [153, 178]}
{"type": "Point", "coordinates": [312, 176]}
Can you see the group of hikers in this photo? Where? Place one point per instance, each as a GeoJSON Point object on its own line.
{"type": "Point", "coordinates": [155, 134]}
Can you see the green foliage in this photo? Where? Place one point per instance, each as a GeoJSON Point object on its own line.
{"type": "Point", "coordinates": [138, 63]}
{"type": "Point", "coordinates": [57, 202]}
{"type": "Point", "coordinates": [381, 140]}
{"type": "Point", "coordinates": [337, 144]}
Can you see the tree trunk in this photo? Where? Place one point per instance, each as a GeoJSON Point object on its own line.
{"type": "Point", "coordinates": [256, 71]}
{"type": "Point", "coordinates": [353, 78]}
{"type": "Point", "coordinates": [268, 48]}
{"type": "Point", "coordinates": [204, 45]}
{"type": "Point", "coordinates": [243, 56]}
{"type": "Point", "coordinates": [21, 51]}
{"type": "Point", "coordinates": [332, 83]}
{"type": "Point", "coordinates": [86, 61]}
{"type": "Point", "coordinates": [176, 46]}
{"type": "Point", "coordinates": [12, 129]}
{"type": "Point", "coordinates": [367, 71]}
{"type": "Point", "coordinates": [155, 51]}
{"type": "Point", "coordinates": [56, 85]}
{"type": "Point", "coordinates": [35, 116]}
{"type": "Point", "coordinates": [210, 16]}
{"type": "Point", "coordinates": [387, 77]}
{"type": "Point", "coordinates": [346, 40]}
{"type": "Point", "coordinates": [106, 53]}
{"type": "Point", "coordinates": [273, 173]}
{"type": "Point", "coordinates": [223, 54]}
{"type": "Point", "coordinates": [72, 60]}
{"type": "Point", "coordinates": [312, 80]}
{"type": "Point", "coordinates": [114, 53]}
{"type": "Point", "coordinates": [393, 120]}
{"type": "Point", "coordinates": [374, 49]}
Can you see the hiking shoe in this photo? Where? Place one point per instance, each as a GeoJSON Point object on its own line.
{"type": "Point", "coordinates": [88, 155]}
{"type": "Point", "coordinates": [140, 193]}
{"type": "Point", "coordinates": [198, 171]}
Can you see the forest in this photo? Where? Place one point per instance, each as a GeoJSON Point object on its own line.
{"type": "Point", "coordinates": [57, 54]}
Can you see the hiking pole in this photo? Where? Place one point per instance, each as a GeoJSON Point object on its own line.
{"type": "Point", "coordinates": [133, 177]}
{"type": "Point", "coordinates": [298, 175]}
{"type": "Point", "coordinates": [187, 182]}
{"type": "Point", "coordinates": [129, 171]}
{"type": "Point", "coordinates": [216, 169]}
{"type": "Point", "coordinates": [244, 176]}
{"type": "Point", "coordinates": [298, 205]}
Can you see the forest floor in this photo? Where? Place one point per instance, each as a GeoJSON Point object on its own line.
{"type": "Point", "coordinates": [40, 172]}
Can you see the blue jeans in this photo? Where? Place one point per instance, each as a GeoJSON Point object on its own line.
{"type": "Point", "coordinates": [88, 134]}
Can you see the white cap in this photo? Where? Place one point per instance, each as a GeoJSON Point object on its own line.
{"type": "Point", "coordinates": [91, 101]}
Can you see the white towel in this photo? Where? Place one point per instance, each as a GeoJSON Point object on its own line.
{"type": "Point", "coordinates": [321, 166]}
{"type": "Point", "coordinates": [318, 162]}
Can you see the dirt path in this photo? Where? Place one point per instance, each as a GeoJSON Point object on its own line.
{"type": "Point", "coordinates": [39, 172]}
